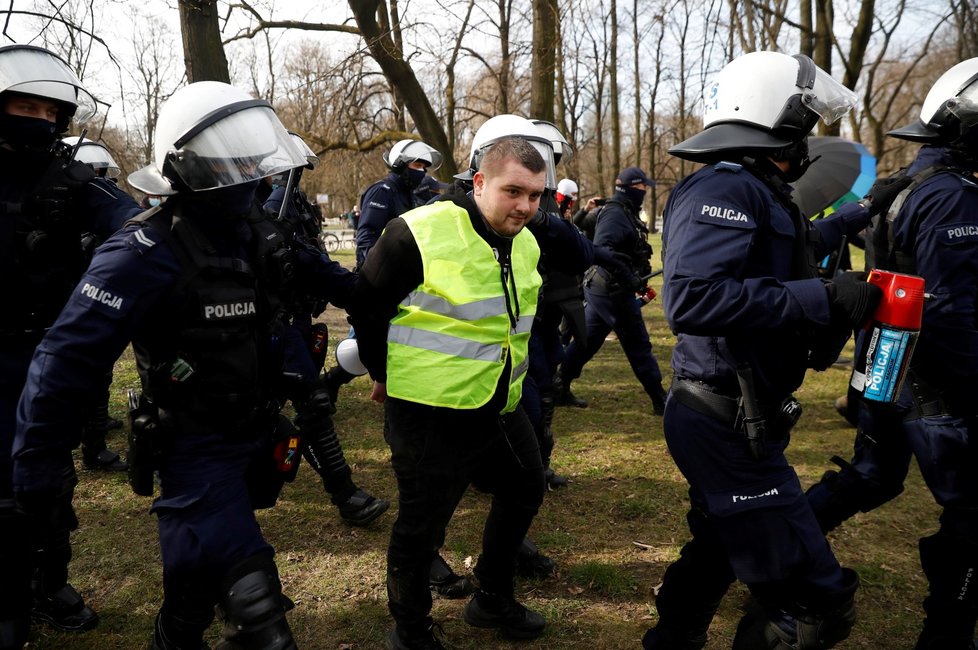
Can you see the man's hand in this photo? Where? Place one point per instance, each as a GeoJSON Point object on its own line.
{"type": "Point", "coordinates": [379, 392]}
{"type": "Point", "coordinates": [591, 203]}
{"type": "Point", "coordinates": [884, 191]}
{"type": "Point", "coordinates": [852, 299]}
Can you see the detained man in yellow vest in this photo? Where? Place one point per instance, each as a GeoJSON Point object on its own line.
{"type": "Point", "coordinates": [444, 308]}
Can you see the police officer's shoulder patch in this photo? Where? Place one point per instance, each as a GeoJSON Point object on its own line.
{"type": "Point", "coordinates": [726, 166]}
{"type": "Point", "coordinates": [99, 296]}
{"type": "Point", "coordinates": [720, 213]}
{"type": "Point", "coordinates": [957, 233]}
{"type": "Point", "coordinates": [141, 240]}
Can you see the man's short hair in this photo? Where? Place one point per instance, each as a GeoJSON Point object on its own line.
{"type": "Point", "coordinates": [516, 148]}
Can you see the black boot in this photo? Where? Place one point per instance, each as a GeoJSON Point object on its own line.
{"type": "Point", "coordinates": [176, 634]}
{"type": "Point", "coordinates": [531, 563]}
{"type": "Point", "coordinates": [65, 610]}
{"type": "Point", "coordinates": [105, 460]}
{"type": "Point", "coordinates": [421, 639]}
{"type": "Point", "coordinates": [444, 581]}
{"type": "Point", "coordinates": [503, 613]}
{"type": "Point", "coordinates": [361, 509]}
{"type": "Point", "coordinates": [554, 480]}
{"type": "Point", "coordinates": [566, 398]}
{"type": "Point", "coordinates": [948, 561]}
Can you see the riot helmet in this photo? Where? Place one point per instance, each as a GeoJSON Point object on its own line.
{"type": "Point", "coordinates": [312, 160]}
{"type": "Point", "coordinates": [563, 151]}
{"type": "Point", "coordinates": [407, 151]}
{"type": "Point", "coordinates": [765, 102]}
{"type": "Point", "coordinates": [211, 135]}
{"type": "Point", "coordinates": [95, 155]}
{"type": "Point", "coordinates": [949, 115]}
{"type": "Point", "coordinates": [33, 72]}
{"type": "Point", "coordinates": [505, 126]}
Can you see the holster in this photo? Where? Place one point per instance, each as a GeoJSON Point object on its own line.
{"type": "Point", "coordinates": [276, 465]}
{"type": "Point", "coordinates": [144, 443]}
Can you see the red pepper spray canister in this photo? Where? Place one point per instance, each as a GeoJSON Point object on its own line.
{"type": "Point", "coordinates": [883, 356]}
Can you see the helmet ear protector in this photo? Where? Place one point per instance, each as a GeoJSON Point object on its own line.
{"type": "Point", "coordinates": [797, 119]}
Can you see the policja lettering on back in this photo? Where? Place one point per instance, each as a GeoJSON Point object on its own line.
{"type": "Point", "coordinates": [229, 310]}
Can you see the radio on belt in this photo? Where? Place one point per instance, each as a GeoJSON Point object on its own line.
{"type": "Point", "coordinates": [883, 356]}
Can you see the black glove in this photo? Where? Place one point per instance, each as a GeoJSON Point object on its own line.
{"type": "Point", "coordinates": [852, 299]}
{"type": "Point", "coordinates": [883, 191]}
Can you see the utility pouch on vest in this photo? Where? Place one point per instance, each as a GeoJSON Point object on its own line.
{"type": "Point", "coordinates": [144, 443]}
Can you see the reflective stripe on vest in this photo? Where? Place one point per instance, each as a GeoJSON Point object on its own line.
{"type": "Point", "coordinates": [452, 336]}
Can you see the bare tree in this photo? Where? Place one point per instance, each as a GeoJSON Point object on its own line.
{"type": "Point", "coordinates": [203, 51]}
{"type": "Point", "coordinates": [546, 35]}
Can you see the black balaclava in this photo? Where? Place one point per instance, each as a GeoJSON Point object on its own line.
{"type": "Point", "coordinates": [632, 195]}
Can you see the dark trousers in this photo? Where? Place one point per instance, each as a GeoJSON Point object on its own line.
{"type": "Point", "coordinates": [622, 314]}
{"type": "Point", "coordinates": [749, 520]}
{"type": "Point", "coordinates": [436, 453]}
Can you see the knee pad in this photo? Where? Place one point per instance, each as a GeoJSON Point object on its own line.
{"type": "Point", "coordinates": [253, 608]}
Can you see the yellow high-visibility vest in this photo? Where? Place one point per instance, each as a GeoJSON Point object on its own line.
{"type": "Point", "coordinates": [448, 344]}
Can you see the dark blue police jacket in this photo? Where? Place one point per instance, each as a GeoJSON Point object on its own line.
{"type": "Point", "coordinates": [732, 290]}
{"type": "Point", "coordinates": [938, 226]}
{"type": "Point", "coordinates": [126, 295]}
{"type": "Point", "coordinates": [381, 202]}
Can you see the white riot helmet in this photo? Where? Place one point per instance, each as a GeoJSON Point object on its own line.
{"type": "Point", "coordinates": [95, 155]}
{"type": "Point", "coordinates": [312, 160]}
{"type": "Point", "coordinates": [567, 187]}
{"type": "Point", "coordinates": [34, 71]}
{"type": "Point", "coordinates": [348, 357]}
{"type": "Point", "coordinates": [563, 151]}
{"type": "Point", "coordinates": [765, 101]}
{"type": "Point", "coordinates": [209, 135]}
{"type": "Point", "coordinates": [405, 152]}
{"type": "Point", "coordinates": [950, 109]}
{"type": "Point", "coordinates": [501, 127]}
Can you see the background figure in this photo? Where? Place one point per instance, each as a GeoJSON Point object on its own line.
{"type": "Point", "coordinates": [932, 234]}
{"type": "Point", "coordinates": [95, 453]}
{"type": "Point", "coordinates": [196, 284]}
{"type": "Point", "coordinates": [43, 256]}
{"type": "Point", "coordinates": [455, 418]}
{"type": "Point", "coordinates": [742, 292]}
{"type": "Point", "coordinates": [610, 297]}
{"type": "Point", "coordinates": [305, 351]}
{"type": "Point", "coordinates": [566, 197]}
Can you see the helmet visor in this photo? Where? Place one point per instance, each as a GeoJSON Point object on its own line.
{"type": "Point", "coordinates": [312, 160]}
{"type": "Point", "coordinates": [97, 157]}
{"type": "Point", "coordinates": [33, 71]}
{"type": "Point", "coordinates": [242, 147]}
{"type": "Point", "coordinates": [965, 105]}
{"type": "Point", "coordinates": [829, 98]}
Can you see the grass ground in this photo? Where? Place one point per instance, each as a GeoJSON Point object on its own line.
{"type": "Point", "coordinates": [613, 531]}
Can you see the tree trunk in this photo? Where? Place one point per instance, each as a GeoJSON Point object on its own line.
{"type": "Point", "coordinates": [203, 52]}
{"type": "Point", "coordinates": [399, 74]}
{"type": "Point", "coordinates": [613, 91]}
{"type": "Point", "coordinates": [544, 59]}
{"type": "Point", "coordinates": [637, 145]}
{"type": "Point", "coordinates": [807, 44]}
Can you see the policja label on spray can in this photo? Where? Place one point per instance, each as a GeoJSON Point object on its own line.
{"type": "Point", "coordinates": [886, 347]}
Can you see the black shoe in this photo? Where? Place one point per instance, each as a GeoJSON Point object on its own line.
{"type": "Point", "coordinates": [504, 614]}
{"type": "Point", "coordinates": [567, 398]}
{"type": "Point", "coordinates": [105, 460]}
{"type": "Point", "coordinates": [111, 424]}
{"type": "Point", "coordinates": [424, 640]}
{"type": "Point", "coordinates": [361, 509]}
{"type": "Point", "coordinates": [64, 610]}
{"type": "Point", "coordinates": [445, 582]}
{"type": "Point", "coordinates": [555, 480]}
{"type": "Point", "coordinates": [531, 563]}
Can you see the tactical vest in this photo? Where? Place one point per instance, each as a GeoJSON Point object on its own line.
{"type": "Point", "coordinates": [50, 249]}
{"type": "Point", "coordinates": [881, 251]}
{"type": "Point", "coordinates": [468, 320]}
{"type": "Point", "coordinates": [218, 356]}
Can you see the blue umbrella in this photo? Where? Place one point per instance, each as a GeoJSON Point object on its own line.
{"type": "Point", "coordinates": [844, 172]}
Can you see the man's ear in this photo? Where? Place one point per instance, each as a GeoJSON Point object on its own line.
{"type": "Point", "coordinates": [478, 183]}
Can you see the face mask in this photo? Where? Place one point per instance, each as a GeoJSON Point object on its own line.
{"type": "Point", "coordinates": [632, 195]}
{"type": "Point", "coordinates": [153, 202]}
{"type": "Point", "coordinates": [414, 177]}
{"type": "Point", "coordinates": [27, 132]}
{"type": "Point", "coordinates": [229, 201]}
{"type": "Point", "coordinates": [798, 161]}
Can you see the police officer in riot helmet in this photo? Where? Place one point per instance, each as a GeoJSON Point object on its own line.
{"type": "Point", "coordinates": [408, 161]}
{"type": "Point", "coordinates": [46, 243]}
{"type": "Point", "coordinates": [306, 348]}
{"type": "Point", "coordinates": [197, 285]}
{"type": "Point", "coordinates": [934, 234]}
{"type": "Point", "coordinates": [741, 291]}
{"type": "Point", "coordinates": [611, 297]}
